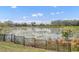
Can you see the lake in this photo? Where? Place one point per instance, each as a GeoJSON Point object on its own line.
{"type": "Point", "coordinates": [38, 33]}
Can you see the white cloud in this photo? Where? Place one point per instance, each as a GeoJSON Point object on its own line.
{"type": "Point", "coordinates": [25, 17]}
{"type": "Point", "coordinates": [37, 14]}
{"type": "Point", "coordinates": [57, 12]}
{"type": "Point", "coordinates": [13, 6]}
{"type": "Point", "coordinates": [52, 13]}
{"type": "Point", "coordinates": [34, 15]}
{"type": "Point", "coordinates": [62, 12]}
{"type": "Point", "coordinates": [40, 14]}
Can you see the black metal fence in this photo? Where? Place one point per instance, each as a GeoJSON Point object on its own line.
{"type": "Point", "coordinates": [52, 45]}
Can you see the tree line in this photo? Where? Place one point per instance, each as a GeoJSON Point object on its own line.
{"type": "Point", "coordinates": [66, 22]}
{"type": "Point", "coordinates": [53, 23]}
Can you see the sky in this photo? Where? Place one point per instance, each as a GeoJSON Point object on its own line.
{"type": "Point", "coordinates": [39, 14]}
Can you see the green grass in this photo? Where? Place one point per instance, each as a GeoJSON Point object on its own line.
{"type": "Point", "coordinates": [11, 47]}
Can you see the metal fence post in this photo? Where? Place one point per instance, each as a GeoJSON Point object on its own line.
{"type": "Point", "coordinates": [24, 41]}
{"type": "Point", "coordinates": [68, 46]}
{"type": "Point", "coordinates": [57, 47]}
{"type": "Point", "coordinates": [46, 44]}
{"type": "Point", "coordinates": [11, 37]}
{"type": "Point", "coordinates": [3, 37]}
{"type": "Point", "coordinates": [14, 39]}
{"type": "Point", "coordinates": [34, 42]}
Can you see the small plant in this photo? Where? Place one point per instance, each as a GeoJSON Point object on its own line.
{"type": "Point", "coordinates": [66, 34]}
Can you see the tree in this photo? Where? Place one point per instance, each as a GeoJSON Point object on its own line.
{"type": "Point", "coordinates": [41, 24]}
{"type": "Point", "coordinates": [8, 23]}
{"type": "Point", "coordinates": [33, 23]}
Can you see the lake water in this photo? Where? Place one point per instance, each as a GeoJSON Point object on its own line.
{"type": "Point", "coordinates": [38, 33]}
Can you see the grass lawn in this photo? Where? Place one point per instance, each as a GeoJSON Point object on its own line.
{"type": "Point", "coordinates": [12, 47]}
